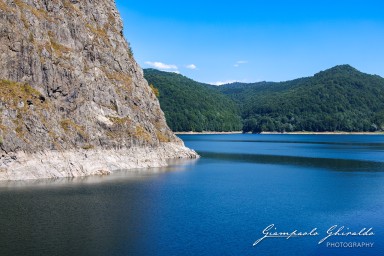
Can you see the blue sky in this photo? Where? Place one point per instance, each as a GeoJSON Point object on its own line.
{"type": "Point", "coordinates": [250, 41]}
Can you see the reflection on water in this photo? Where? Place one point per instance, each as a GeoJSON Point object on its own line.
{"type": "Point", "coordinates": [97, 215]}
{"type": "Point", "coordinates": [354, 147]}
{"type": "Point", "coordinates": [118, 176]}
{"type": "Point", "coordinates": [379, 145]}
{"type": "Point", "coordinates": [330, 163]}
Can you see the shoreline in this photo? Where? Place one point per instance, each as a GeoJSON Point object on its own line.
{"type": "Point", "coordinates": [285, 133]}
{"type": "Point", "coordinates": [206, 132]}
{"type": "Point", "coordinates": [327, 133]}
{"type": "Point", "coordinates": [81, 163]}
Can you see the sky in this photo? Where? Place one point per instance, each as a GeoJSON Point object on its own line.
{"type": "Point", "coordinates": [250, 41]}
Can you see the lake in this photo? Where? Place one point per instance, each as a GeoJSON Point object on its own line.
{"type": "Point", "coordinates": [217, 205]}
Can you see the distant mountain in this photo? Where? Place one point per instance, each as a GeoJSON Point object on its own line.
{"type": "Point", "coordinates": [192, 106]}
{"type": "Point", "coordinates": [338, 99]}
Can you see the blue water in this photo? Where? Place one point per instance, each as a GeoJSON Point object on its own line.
{"type": "Point", "coordinates": [217, 205]}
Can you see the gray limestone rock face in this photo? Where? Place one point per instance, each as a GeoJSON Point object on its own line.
{"type": "Point", "coordinates": [68, 81]}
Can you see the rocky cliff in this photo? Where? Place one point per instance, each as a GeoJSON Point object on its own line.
{"type": "Point", "coordinates": [73, 101]}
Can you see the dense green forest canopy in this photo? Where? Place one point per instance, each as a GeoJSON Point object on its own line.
{"type": "Point", "coordinates": [192, 106]}
{"type": "Point", "coordinates": [337, 99]}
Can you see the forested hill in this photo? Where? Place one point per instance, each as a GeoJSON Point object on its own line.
{"type": "Point", "coordinates": [338, 99]}
{"type": "Point", "coordinates": [192, 106]}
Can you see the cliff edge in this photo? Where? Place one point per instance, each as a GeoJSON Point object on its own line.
{"type": "Point", "coordinates": [73, 101]}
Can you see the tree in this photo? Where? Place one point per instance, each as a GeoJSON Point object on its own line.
{"type": "Point", "coordinates": [155, 90]}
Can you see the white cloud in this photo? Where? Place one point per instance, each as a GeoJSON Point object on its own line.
{"type": "Point", "coordinates": [240, 62]}
{"type": "Point", "coordinates": [161, 65]}
{"type": "Point", "coordinates": [223, 82]}
{"type": "Point", "coordinates": [191, 66]}
{"type": "Point", "coordinates": [170, 71]}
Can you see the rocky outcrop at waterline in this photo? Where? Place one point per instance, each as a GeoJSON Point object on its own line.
{"type": "Point", "coordinates": [73, 101]}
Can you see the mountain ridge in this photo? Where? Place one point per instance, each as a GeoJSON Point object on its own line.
{"type": "Point", "coordinates": [345, 68]}
{"type": "Point", "coordinates": [340, 98]}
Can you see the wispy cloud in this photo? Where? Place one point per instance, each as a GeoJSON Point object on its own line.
{"type": "Point", "coordinates": [223, 82]}
{"type": "Point", "coordinates": [191, 66]}
{"type": "Point", "coordinates": [161, 65]}
{"type": "Point", "coordinates": [240, 62]}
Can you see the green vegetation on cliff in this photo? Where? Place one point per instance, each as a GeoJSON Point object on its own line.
{"type": "Point", "coordinates": [192, 106]}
